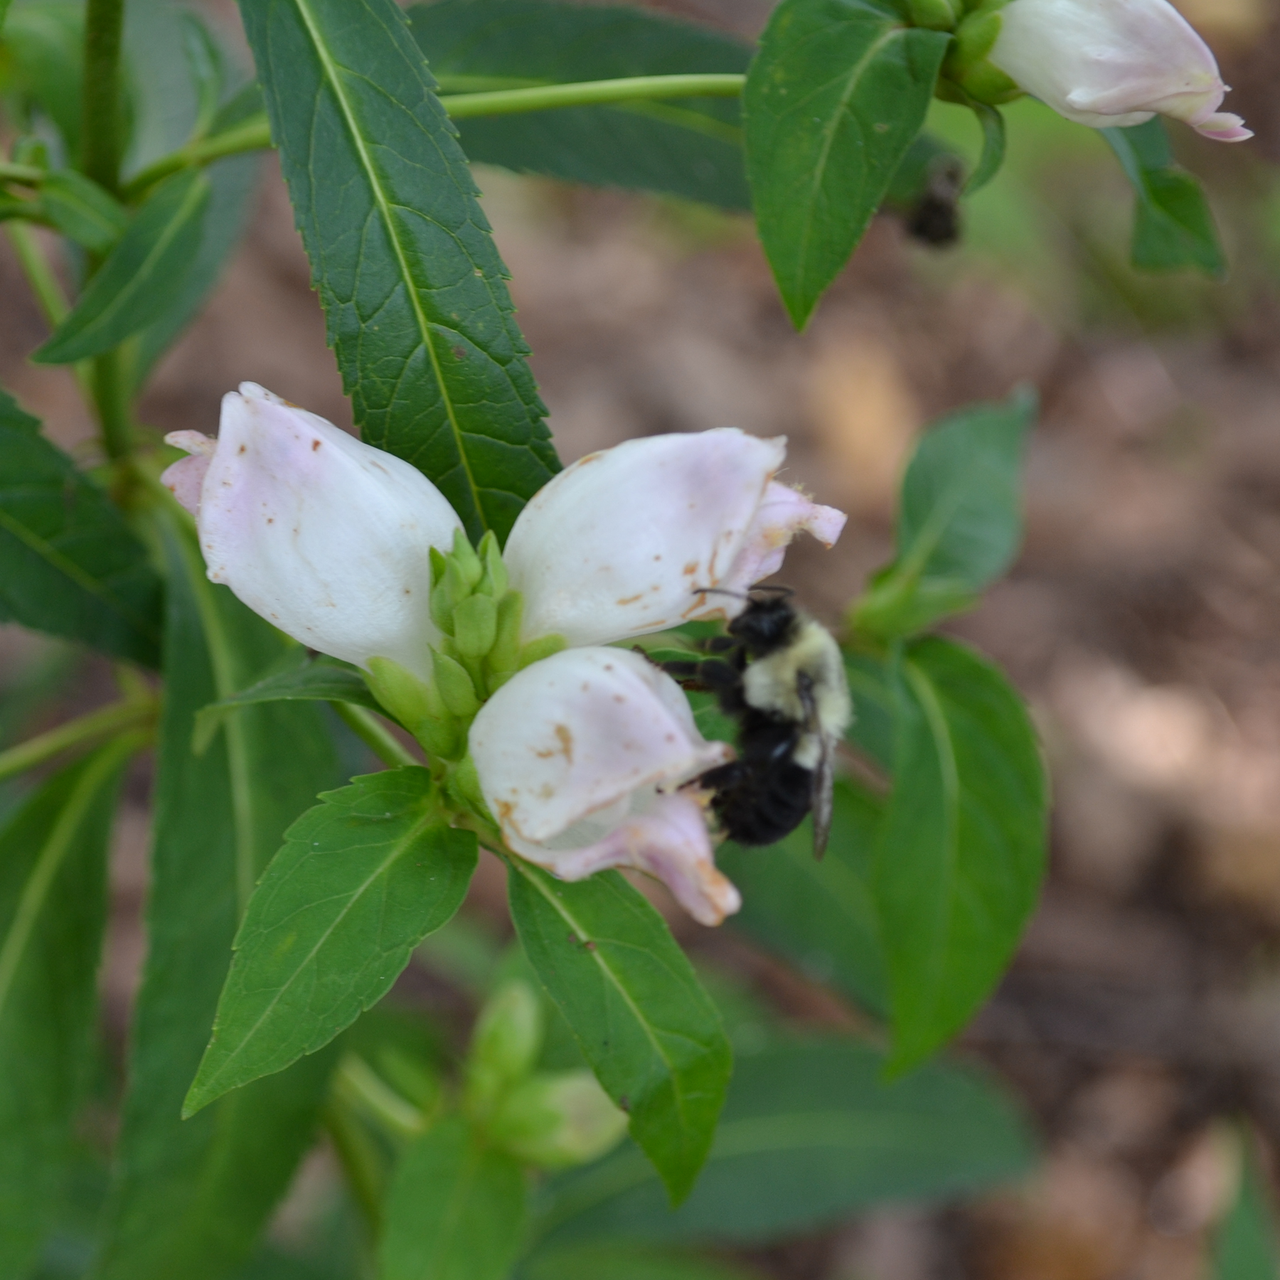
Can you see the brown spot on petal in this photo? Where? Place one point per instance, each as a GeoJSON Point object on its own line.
{"type": "Point", "coordinates": [241, 449]}
{"type": "Point", "coordinates": [630, 599]}
{"type": "Point", "coordinates": [690, 569]}
{"type": "Point", "coordinates": [315, 444]}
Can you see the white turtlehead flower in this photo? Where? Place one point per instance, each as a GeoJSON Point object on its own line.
{"type": "Point", "coordinates": [581, 758]}
{"type": "Point", "coordinates": [324, 536]}
{"type": "Point", "coordinates": [622, 542]}
{"type": "Point", "coordinates": [1106, 63]}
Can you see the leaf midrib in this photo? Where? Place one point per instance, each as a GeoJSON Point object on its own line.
{"type": "Point", "coordinates": [604, 967]}
{"type": "Point", "coordinates": [330, 68]}
{"type": "Point", "coordinates": [396, 851]}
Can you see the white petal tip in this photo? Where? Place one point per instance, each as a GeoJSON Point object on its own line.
{"type": "Point", "coordinates": [195, 442]}
{"type": "Point", "coordinates": [1224, 127]}
{"type": "Point", "coordinates": [185, 479]}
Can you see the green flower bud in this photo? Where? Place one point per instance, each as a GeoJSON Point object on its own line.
{"type": "Point", "coordinates": [455, 685]}
{"type": "Point", "coordinates": [936, 15]}
{"type": "Point", "coordinates": [400, 691]}
{"type": "Point", "coordinates": [495, 581]}
{"type": "Point", "coordinates": [456, 587]}
{"type": "Point", "coordinates": [475, 626]}
{"type": "Point", "coordinates": [557, 1120]}
{"type": "Point", "coordinates": [504, 653]}
{"type": "Point", "coordinates": [536, 650]}
{"type": "Point", "coordinates": [464, 556]}
{"type": "Point", "coordinates": [504, 1045]}
{"type": "Point", "coordinates": [464, 786]}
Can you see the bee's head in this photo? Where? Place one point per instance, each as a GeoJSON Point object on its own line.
{"type": "Point", "coordinates": [767, 621]}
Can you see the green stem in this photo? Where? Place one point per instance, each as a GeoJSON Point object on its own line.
{"type": "Point", "coordinates": [85, 731]}
{"type": "Point", "coordinates": [375, 735]}
{"type": "Point", "coordinates": [111, 399]}
{"type": "Point", "coordinates": [100, 128]}
{"type": "Point", "coordinates": [35, 266]}
{"type": "Point", "coordinates": [360, 1086]}
{"type": "Point", "coordinates": [27, 174]}
{"type": "Point", "coordinates": [501, 102]}
{"type": "Point", "coordinates": [254, 134]}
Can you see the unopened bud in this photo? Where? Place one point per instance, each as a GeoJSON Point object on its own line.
{"type": "Point", "coordinates": [536, 650]}
{"type": "Point", "coordinates": [400, 691]}
{"type": "Point", "coordinates": [475, 625]}
{"type": "Point", "coordinates": [936, 15]}
{"type": "Point", "coordinates": [495, 581]}
{"type": "Point", "coordinates": [558, 1120]}
{"type": "Point", "coordinates": [455, 685]}
{"type": "Point", "coordinates": [464, 556]}
{"type": "Point", "coordinates": [504, 1046]}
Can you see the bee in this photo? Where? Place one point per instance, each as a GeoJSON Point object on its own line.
{"type": "Point", "coordinates": [780, 674]}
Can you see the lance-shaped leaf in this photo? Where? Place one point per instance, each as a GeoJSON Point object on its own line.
{"type": "Point", "coordinates": [52, 910]}
{"type": "Point", "coordinates": [296, 678]}
{"type": "Point", "coordinates": [1173, 226]}
{"type": "Point", "coordinates": [69, 563]}
{"type": "Point", "coordinates": [834, 99]}
{"type": "Point", "coordinates": [820, 915]}
{"type": "Point", "coordinates": [811, 1132]}
{"type": "Point", "coordinates": [141, 277]}
{"type": "Point", "coordinates": [82, 210]}
{"type": "Point", "coordinates": [959, 519]}
{"type": "Point", "coordinates": [687, 147]}
{"type": "Point", "coordinates": [189, 1197]}
{"type": "Point", "coordinates": [401, 253]}
{"type": "Point", "coordinates": [649, 1031]}
{"type": "Point", "coordinates": [361, 880]}
{"type": "Point", "coordinates": [456, 1210]}
{"type": "Point", "coordinates": [961, 849]}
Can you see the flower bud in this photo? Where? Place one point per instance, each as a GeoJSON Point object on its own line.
{"type": "Point", "coordinates": [322, 535]}
{"type": "Point", "coordinates": [505, 1044]}
{"type": "Point", "coordinates": [455, 685]}
{"type": "Point", "coordinates": [1114, 63]}
{"type": "Point", "coordinates": [475, 626]}
{"type": "Point", "coordinates": [557, 1121]}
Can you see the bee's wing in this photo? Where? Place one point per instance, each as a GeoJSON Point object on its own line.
{"type": "Point", "coordinates": [822, 786]}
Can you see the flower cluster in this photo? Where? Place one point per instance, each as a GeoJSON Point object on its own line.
{"type": "Point", "coordinates": [498, 662]}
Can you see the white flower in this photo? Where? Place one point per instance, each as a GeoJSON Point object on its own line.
{"type": "Point", "coordinates": [580, 759]}
{"type": "Point", "coordinates": [326, 537]}
{"type": "Point", "coordinates": [1109, 63]}
{"type": "Point", "coordinates": [620, 543]}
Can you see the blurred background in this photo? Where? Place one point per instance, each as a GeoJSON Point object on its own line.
{"type": "Point", "coordinates": [1141, 1021]}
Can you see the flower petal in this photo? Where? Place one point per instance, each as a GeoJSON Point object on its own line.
{"type": "Point", "coordinates": [1112, 63]}
{"type": "Point", "coordinates": [324, 536]}
{"type": "Point", "coordinates": [783, 513]}
{"type": "Point", "coordinates": [563, 746]}
{"type": "Point", "coordinates": [615, 545]}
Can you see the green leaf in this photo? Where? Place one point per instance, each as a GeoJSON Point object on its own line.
{"type": "Point", "coordinates": [833, 101]}
{"type": "Point", "coordinates": [142, 276]}
{"type": "Point", "coordinates": [959, 519]}
{"type": "Point", "coordinates": [401, 253]}
{"type": "Point", "coordinates": [1173, 225]}
{"type": "Point", "coordinates": [993, 146]}
{"type": "Point", "coordinates": [297, 678]}
{"type": "Point", "coordinates": [647, 1028]}
{"type": "Point", "coordinates": [52, 911]}
{"type": "Point", "coordinates": [190, 1196]}
{"type": "Point", "coordinates": [43, 60]}
{"type": "Point", "coordinates": [361, 880]}
{"type": "Point", "coordinates": [819, 915]}
{"type": "Point", "coordinates": [961, 852]}
{"type": "Point", "coordinates": [82, 210]}
{"type": "Point", "coordinates": [690, 148]}
{"type": "Point", "coordinates": [1246, 1246]}
{"type": "Point", "coordinates": [456, 1210]}
{"type": "Point", "coordinates": [68, 561]}
{"type": "Point", "coordinates": [628, 1262]}
{"type": "Point", "coordinates": [810, 1133]}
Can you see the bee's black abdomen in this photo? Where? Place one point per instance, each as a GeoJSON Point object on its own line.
{"type": "Point", "coordinates": [764, 794]}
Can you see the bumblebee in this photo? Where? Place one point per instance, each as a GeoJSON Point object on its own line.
{"type": "Point", "coordinates": [780, 675]}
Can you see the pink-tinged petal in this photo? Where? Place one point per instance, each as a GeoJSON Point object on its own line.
{"type": "Point", "coordinates": [326, 537]}
{"type": "Point", "coordinates": [1224, 127]}
{"type": "Point", "coordinates": [670, 843]}
{"type": "Point", "coordinates": [617, 544]}
{"type": "Point", "coordinates": [783, 513]}
{"type": "Point", "coordinates": [185, 479]}
{"type": "Point", "coordinates": [1111, 63]}
{"type": "Point", "coordinates": [570, 738]}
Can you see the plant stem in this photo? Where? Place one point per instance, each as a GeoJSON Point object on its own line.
{"type": "Point", "coordinates": [360, 1086]}
{"type": "Point", "coordinates": [591, 92]}
{"type": "Point", "coordinates": [254, 134]}
{"type": "Point", "coordinates": [100, 129]}
{"type": "Point", "coordinates": [375, 735]}
{"type": "Point", "coordinates": [111, 399]}
{"type": "Point", "coordinates": [35, 266]}
{"type": "Point", "coordinates": [85, 731]}
{"type": "Point", "coordinates": [359, 1159]}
